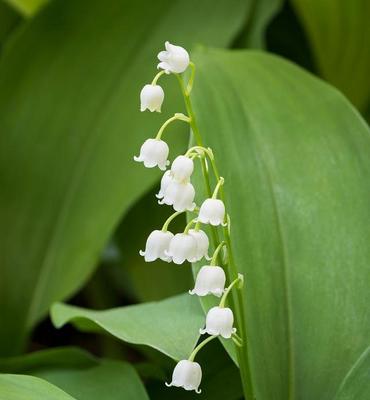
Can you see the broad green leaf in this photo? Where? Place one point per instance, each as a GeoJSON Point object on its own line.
{"type": "Point", "coordinates": [57, 358]}
{"type": "Point", "coordinates": [356, 384]}
{"type": "Point", "coordinates": [113, 380]}
{"type": "Point", "coordinates": [79, 374]}
{"type": "Point", "coordinates": [170, 326]}
{"type": "Point", "coordinates": [70, 125]}
{"type": "Point", "coordinates": [23, 387]}
{"type": "Point", "coordinates": [27, 7]}
{"type": "Point", "coordinates": [295, 157]}
{"type": "Point", "coordinates": [339, 32]}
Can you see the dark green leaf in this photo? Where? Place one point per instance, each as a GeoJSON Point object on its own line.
{"type": "Point", "coordinates": [79, 374]}
{"type": "Point", "coordinates": [339, 32]}
{"type": "Point", "coordinates": [295, 157]}
{"type": "Point", "coordinates": [70, 125]}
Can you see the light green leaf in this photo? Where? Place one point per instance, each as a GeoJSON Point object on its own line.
{"type": "Point", "coordinates": [295, 157]}
{"type": "Point", "coordinates": [27, 7]}
{"type": "Point", "coordinates": [339, 33]}
{"type": "Point", "coordinates": [356, 384]}
{"type": "Point", "coordinates": [170, 326]}
{"type": "Point", "coordinates": [23, 387]}
{"type": "Point", "coordinates": [70, 125]}
{"type": "Point", "coordinates": [113, 380]}
{"type": "Point", "coordinates": [79, 374]}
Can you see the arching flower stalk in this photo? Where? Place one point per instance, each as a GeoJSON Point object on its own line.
{"type": "Point", "coordinates": [192, 244]}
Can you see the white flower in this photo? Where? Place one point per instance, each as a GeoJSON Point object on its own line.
{"type": "Point", "coordinates": [179, 195]}
{"type": "Point", "coordinates": [156, 246]}
{"type": "Point", "coordinates": [182, 167]}
{"type": "Point", "coordinates": [212, 211]}
{"type": "Point", "coordinates": [174, 59]}
{"type": "Point", "coordinates": [187, 374]}
{"type": "Point", "coordinates": [219, 321]}
{"type": "Point", "coordinates": [210, 280]}
{"type": "Point", "coordinates": [165, 181]}
{"type": "Point", "coordinates": [151, 98]}
{"type": "Point", "coordinates": [154, 152]}
{"type": "Point", "coordinates": [202, 243]}
{"type": "Point", "coordinates": [182, 247]}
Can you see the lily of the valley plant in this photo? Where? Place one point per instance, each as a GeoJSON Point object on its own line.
{"type": "Point", "coordinates": [192, 244]}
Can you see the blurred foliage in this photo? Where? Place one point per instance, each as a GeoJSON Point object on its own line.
{"type": "Point", "coordinates": [75, 209]}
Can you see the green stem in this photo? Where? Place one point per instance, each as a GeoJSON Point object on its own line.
{"type": "Point", "coordinates": [189, 86]}
{"type": "Point", "coordinates": [169, 219]}
{"type": "Point", "coordinates": [189, 225]}
{"type": "Point", "coordinates": [177, 116]}
{"type": "Point", "coordinates": [217, 188]}
{"type": "Point", "coordinates": [227, 291]}
{"type": "Point", "coordinates": [237, 301]}
{"type": "Point", "coordinates": [215, 254]}
{"type": "Point", "coordinates": [200, 345]}
{"type": "Point", "coordinates": [154, 81]}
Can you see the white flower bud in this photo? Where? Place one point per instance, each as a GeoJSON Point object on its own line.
{"type": "Point", "coordinates": [174, 59]}
{"type": "Point", "coordinates": [156, 246]}
{"type": "Point", "coordinates": [210, 280]}
{"type": "Point", "coordinates": [179, 195]}
{"type": "Point", "coordinates": [154, 152]}
{"type": "Point", "coordinates": [151, 98]}
{"type": "Point", "coordinates": [182, 167]}
{"type": "Point", "coordinates": [202, 243]}
{"type": "Point", "coordinates": [212, 211]}
{"type": "Point", "coordinates": [182, 247]}
{"type": "Point", "coordinates": [165, 181]}
{"type": "Point", "coordinates": [187, 374]}
{"type": "Point", "coordinates": [219, 321]}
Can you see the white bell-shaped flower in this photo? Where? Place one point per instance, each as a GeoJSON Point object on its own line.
{"type": "Point", "coordinates": [202, 241]}
{"type": "Point", "coordinates": [187, 374]}
{"type": "Point", "coordinates": [151, 98]}
{"type": "Point", "coordinates": [157, 244]}
{"type": "Point", "coordinates": [154, 152]}
{"type": "Point", "coordinates": [182, 167]}
{"type": "Point", "coordinates": [165, 181]}
{"type": "Point", "coordinates": [212, 211]}
{"type": "Point", "coordinates": [174, 59]}
{"type": "Point", "coordinates": [179, 195]}
{"type": "Point", "coordinates": [210, 280]}
{"type": "Point", "coordinates": [183, 247]}
{"type": "Point", "coordinates": [219, 321]}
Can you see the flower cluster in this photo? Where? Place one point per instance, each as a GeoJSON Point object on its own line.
{"type": "Point", "coordinates": [176, 190]}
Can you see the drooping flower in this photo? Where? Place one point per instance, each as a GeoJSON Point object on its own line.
{"type": "Point", "coordinates": [151, 98]}
{"type": "Point", "coordinates": [182, 167]}
{"type": "Point", "coordinates": [179, 195]}
{"type": "Point", "coordinates": [210, 280]}
{"type": "Point", "coordinates": [202, 241]}
{"type": "Point", "coordinates": [157, 244]}
{"type": "Point", "coordinates": [165, 181]}
{"type": "Point", "coordinates": [219, 321]}
{"type": "Point", "coordinates": [187, 374]}
{"type": "Point", "coordinates": [212, 211]}
{"type": "Point", "coordinates": [173, 59]}
{"type": "Point", "coordinates": [154, 152]}
{"type": "Point", "coordinates": [183, 247]}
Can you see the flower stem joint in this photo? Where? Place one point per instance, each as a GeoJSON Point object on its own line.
{"type": "Point", "coordinates": [192, 244]}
